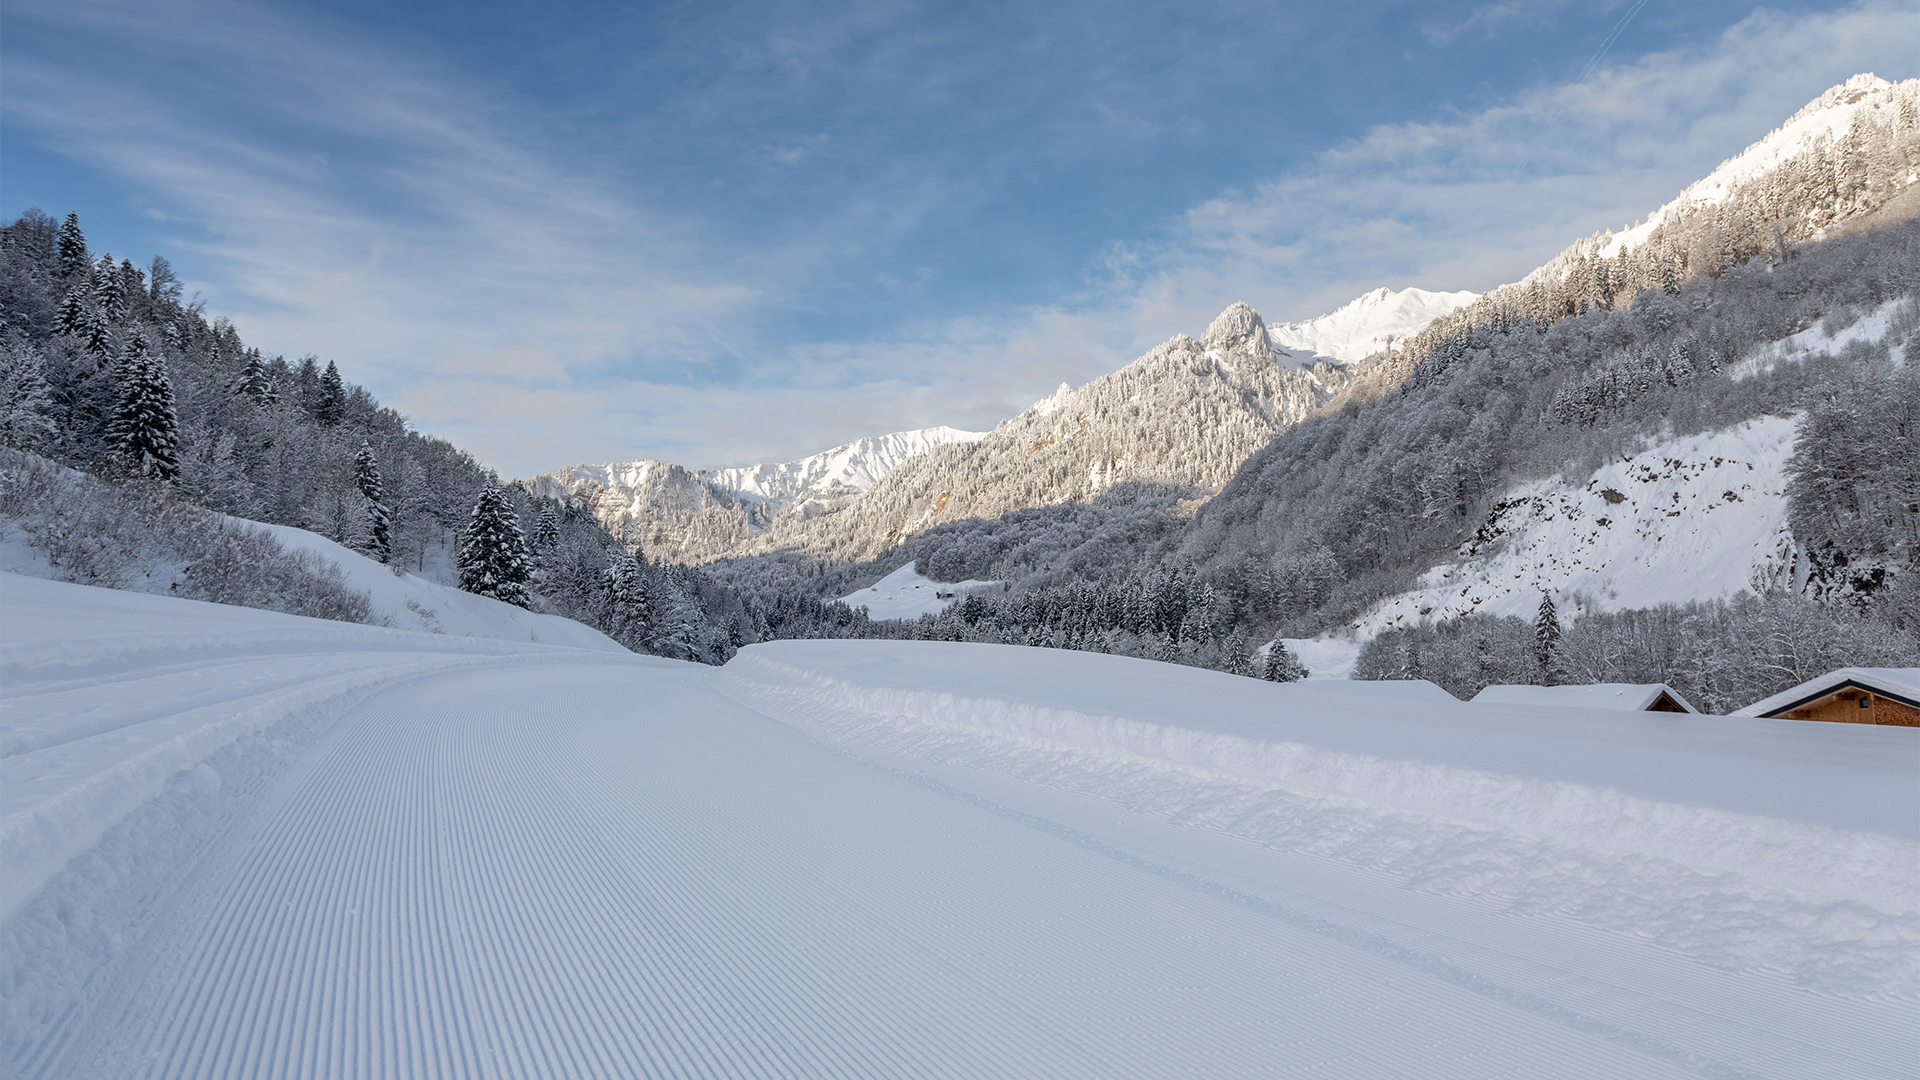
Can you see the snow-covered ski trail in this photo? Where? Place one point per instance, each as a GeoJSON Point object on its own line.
{"type": "Point", "coordinates": [615, 870]}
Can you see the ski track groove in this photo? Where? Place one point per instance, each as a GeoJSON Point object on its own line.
{"type": "Point", "coordinates": [660, 881]}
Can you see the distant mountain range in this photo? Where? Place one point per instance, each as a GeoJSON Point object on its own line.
{"type": "Point", "coordinates": [1186, 413]}
{"type": "Point", "coordinates": [1191, 413]}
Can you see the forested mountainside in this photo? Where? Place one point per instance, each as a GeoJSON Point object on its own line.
{"type": "Point", "coordinates": [106, 369]}
{"type": "Point", "coordinates": [1843, 157]}
{"type": "Point", "coordinates": [1702, 332]}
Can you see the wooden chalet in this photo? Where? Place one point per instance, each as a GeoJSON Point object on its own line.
{"type": "Point", "coordinates": [1848, 696]}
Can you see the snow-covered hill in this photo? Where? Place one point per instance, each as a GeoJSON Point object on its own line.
{"type": "Point", "coordinates": [409, 602]}
{"type": "Point", "coordinates": [905, 594]}
{"type": "Point", "coordinates": [1370, 323]}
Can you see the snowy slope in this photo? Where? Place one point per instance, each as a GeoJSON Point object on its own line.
{"type": "Point", "coordinates": [1363, 326]}
{"type": "Point", "coordinates": [1690, 519]}
{"type": "Point", "coordinates": [924, 859]}
{"type": "Point", "coordinates": [1893, 319]}
{"type": "Point", "coordinates": [904, 594]}
{"type": "Point", "coordinates": [409, 602]}
{"type": "Point", "coordinates": [1827, 117]}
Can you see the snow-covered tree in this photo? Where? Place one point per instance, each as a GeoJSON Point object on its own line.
{"type": "Point", "coordinates": [1546, 633]}
{"type": "Point", "coordinates": [1281, 665]}
{"type": "Point", "coordinates": [109, 289]}
{"type": "Point", "coordinates": [331, 403]}
{"type": "Point", "coordinates": [72, 316]}
{"type": "Point", "coordinates": [163, 285]}
{"type": "Point", "coordinates": [493, 550]}
{"type": "Point", "coordinates": [379, 520]}
{"type": "Point", "coordinates": [73, 258]}
{"type": "Point", "coordinates": [25, 400]}
{"type": "Point", "coordinates": [1234, 656]}
{"type": "Point", "coordinates": [629, 614]}
{"type": "Point", "coordinates": [546, 529]}
{"type": "Point", "coordinates": [254, 381]}
{"type": "Point", "coordinates": [145, 428]}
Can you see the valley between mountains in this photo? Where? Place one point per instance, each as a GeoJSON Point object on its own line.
{"type": "Point", "coordinates": [1132, 737]}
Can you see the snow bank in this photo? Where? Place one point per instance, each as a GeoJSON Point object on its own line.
{"type": "Point", "coordinates": [904, 594]}
{"type": "Point", "coordinates": [1746, 843]}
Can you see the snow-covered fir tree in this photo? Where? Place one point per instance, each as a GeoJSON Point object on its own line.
{"type": "Point", "coordinates": [493, 550]}
{"type": "Point", "coordinates": [1281, 665]}
{"type": "Point", "coordinates": [254, 379]}
{"type": "Point", "coordinates": [145, 429]}
{"type": "Point", "coordinates": [109, 289]}
{"type": "Point", "coordinates": [1546, 635]}
{"type": "Point", "coordinates": [331, 401]}
{"type": "Point", "coordinates": [629, 611]}
{"type": "Point", "coordinates": [72, 257]}
{"type": "Point", "coordinates": [546, 528]}
{"type": "Point", "coordinates": [72, 317]}
{"type": "Point", "coordinates": [379, 520]}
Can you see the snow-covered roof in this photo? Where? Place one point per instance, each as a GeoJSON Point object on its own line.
{"type": "Point", "coordinates": [1409, 690]}
{"type": "Point", "coordinates": [1902, 683]}
{"type": "Point", "coordinates": [1632, 696]}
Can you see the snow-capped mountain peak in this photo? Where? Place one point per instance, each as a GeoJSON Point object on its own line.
{"type": "Point", "coordinates": [1363, 326]}
{"type": "Point", "coordinates": [843, 470]}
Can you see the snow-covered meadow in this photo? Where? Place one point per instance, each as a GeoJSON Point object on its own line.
{"type": "Point", "coordinates": [244, 843]}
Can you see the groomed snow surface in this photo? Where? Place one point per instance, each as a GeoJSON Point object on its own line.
{"type": "Point", "coordinates": [266, 846]}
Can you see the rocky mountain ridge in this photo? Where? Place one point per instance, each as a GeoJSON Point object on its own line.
{"type": "Point", "coordinates": [1185, 414]}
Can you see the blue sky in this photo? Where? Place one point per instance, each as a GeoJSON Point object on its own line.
{"type": "Point", "coordinates": [723, 232]}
